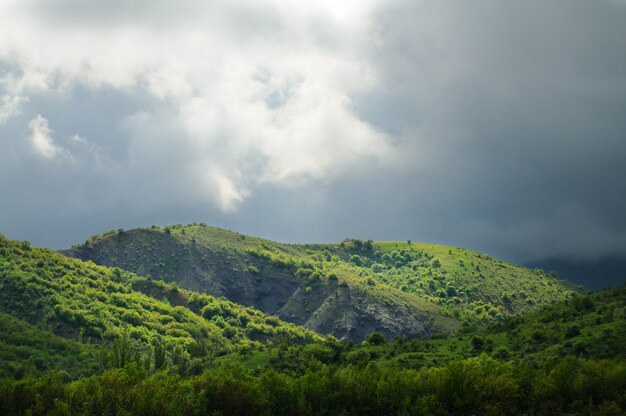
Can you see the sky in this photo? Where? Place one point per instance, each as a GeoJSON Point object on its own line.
{"type": "Point", "coordinates": [494, 125]}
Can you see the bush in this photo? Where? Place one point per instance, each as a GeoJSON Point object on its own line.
{"type": "Point", "coordinates": [375, 338]}
{"type": "Point", "coordinates": [477, 342]}
{"type": "Point", "coordinates": [359, 356]}
{"type": "Point", "coordinates": [356, 260]}
{"type": "Point", "coordinates": [572, 331]}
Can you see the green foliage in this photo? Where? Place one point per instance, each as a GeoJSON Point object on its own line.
{"type": "Point", "coordinates": [25, 349]}
{"type": "Point", "coordinates": [159, 355]}
{"type": "Point", "coordinates": [375, 338]}
{"type": "Point", "coordinates": [449, 284]}
{"type": "Point", "coordinates": [121, 351]}
{"type": "Point", "coordinates": [97, 305]}
{"type": "Point", "coordinates": [473, 386]}
{"type": "Point", "coordinates": [76, 338]}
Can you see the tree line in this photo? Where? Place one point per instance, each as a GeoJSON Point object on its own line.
{"type": "Point", "coordinates": [480, 386]}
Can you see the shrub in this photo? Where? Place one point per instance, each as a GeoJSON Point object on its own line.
{"type": "Point", "coordinates": [375, 338]}
{"type": "Point", "coordinates": [477, 342]}
{"type": "Point", "coordinates": [356, 260]}
{"type": "Point", "coordinates": [314, 277]}
{"type": "Point", "coordinates": [303, 272]}
{"type": "Point", "coordinates": [359, 356]}
{"type": "Point", "coordinates": [502, 353]}
{"type": "Point", "coordinates": [572, 331]}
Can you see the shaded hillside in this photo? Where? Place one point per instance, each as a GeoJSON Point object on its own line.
{"type": "Point", "coordinates": [592, 326]}
{"type": "Point", "coordinates": [348, 289]}
{"type": "Point", "coordinates": [26, 350]}
{"type": "Point", "coordinates": [589, 326]}
{"type": "Point", "coordinates": [94, 304]}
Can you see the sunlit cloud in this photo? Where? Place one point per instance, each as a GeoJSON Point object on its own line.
{"type": "Point", "coordinates": [42, 141]}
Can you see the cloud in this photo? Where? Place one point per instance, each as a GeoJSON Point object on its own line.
{"type": "Point", "coordinates": [10, 107]}
{"type": "Point", "coordinates": [245, 109]}
{"type": "Point", "coordinates": [42, 142]}
{"type": "Point", "coordinates": [493, 125]}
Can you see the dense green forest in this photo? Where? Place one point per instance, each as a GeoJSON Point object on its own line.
{"type": "Point", "coordinates": [472, 386]}
{"type": "Point", "coordinates": [80, 338]}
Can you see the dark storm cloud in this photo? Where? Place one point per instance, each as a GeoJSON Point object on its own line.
{"type": "Point", "coordinates": [493, 125]}
{"type": "Point", "coordinates": [519, 107]}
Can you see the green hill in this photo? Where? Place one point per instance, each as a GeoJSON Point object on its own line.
{"type": "Point", "coordinates": [539, 375]}
{"type": "Point", "coordinates": [349, 289]}
{"type": "Point", "coordinates": [43, 291]}
{"type": "Point", "coordinates": [591, 326]}
{"type": "Point", "coordinates": [79, 338]}
{"type": "Point", "coordinates": [26, 350]}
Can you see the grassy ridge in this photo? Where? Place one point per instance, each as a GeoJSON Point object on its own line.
{"type": "Point", "coordinates": [467, 285]}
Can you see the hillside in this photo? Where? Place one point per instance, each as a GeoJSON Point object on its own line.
{"type": "Point", "coordinates": [41, 290]}
{"type": "Point", "coordinates": [510, 371]}
{"type": "Point", "coordinates": [591, 326]}
{"type": "Point", "coordinates": [78, 338]}
{"type": "Point", "coordinates": [349, 289]}
{"type": "Point", "coordinates": [26, 350]}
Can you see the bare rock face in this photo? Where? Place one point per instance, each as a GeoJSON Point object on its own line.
{"type": "Point", "coordinates": [347, 317]}
{"type": "Point", "coordinates": [344, 310]}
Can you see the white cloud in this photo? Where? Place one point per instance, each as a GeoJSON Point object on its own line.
{"type": "Point", "coordinates": [77, 140]}
{"type": "Point", "coordinates": [10, 107]}
{"type": "Point", "coordinates": [42, 142]}
{"type": "Point", "coordinates": [199, 72]}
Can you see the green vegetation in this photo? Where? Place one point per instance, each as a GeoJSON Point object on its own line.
{"type": "Point", "coordinates": [472, 386]}
{"type": "Point", "coordinates": [78, 338]}
{"type": "Point", "coordinates": [29, 351]}
{"type": "Point", "coordinates": [46, 292]}
{"type": "Point", "coordinates": [427, 289]}
{"type": "Point", "coordinates": [592, 326]}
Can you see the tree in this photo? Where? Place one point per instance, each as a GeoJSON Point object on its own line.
{"type": "Point", "coordinates": [159, 355]}
{"type": "Point", "coordinates": [477, 342]}
{"type": "Point", "coordinates": [245, 347]}
{"type": "Point", "coordinates": [375, 338]}
{"type": "Point", "coordinates": [121, 350]}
